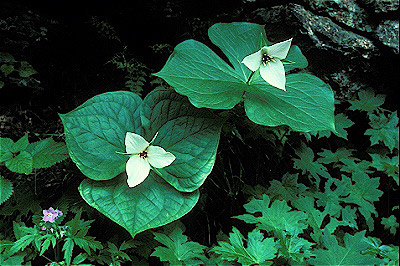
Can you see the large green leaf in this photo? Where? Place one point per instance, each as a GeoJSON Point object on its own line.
{"type": "Point", "coordinates": [21, 163]}
{"type": "Point", "coordinates": [151, 204]}
{"type": "Point", "coordinates": [308, 103]}
{"type": "Point", "coordinates": [191, 134]}
{"type": "Point", "coordinates": [195, 71]}
{"type": "Point", "coordinates": [351, 252]}
{"type": "Point", "coordinates": [95, 132]}
{"type": "Point", "coordinates": [237, 40]}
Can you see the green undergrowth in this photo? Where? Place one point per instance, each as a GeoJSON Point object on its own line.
{"type": "Point", "coordinates": [323, 211]}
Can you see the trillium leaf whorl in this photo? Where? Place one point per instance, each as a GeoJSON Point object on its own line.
{"type": "Point", "coordinates": [194, 70]}
{"type": "Point", "coordinates": [107, 138]}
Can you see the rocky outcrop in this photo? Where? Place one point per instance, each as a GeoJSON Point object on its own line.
{"type": "Point", "coordinates": [367, 16]}
{"type": "Point", "coordinates": [351, 38]}
{"type": "Point", "coordinates": [388, 34]}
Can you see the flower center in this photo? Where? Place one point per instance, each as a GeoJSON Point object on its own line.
{"type": "Point", "coordinates": [266, 59]}
{"type": "Point", "coordinates": [143, 154]}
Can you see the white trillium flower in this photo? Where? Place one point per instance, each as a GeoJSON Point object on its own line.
{"type": "Point", "coordinates": [267, 59]}
{"type": "Point", "coordinates": [143, 155]}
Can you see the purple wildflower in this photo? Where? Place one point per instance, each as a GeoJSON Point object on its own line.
{"type": "Point", "coordinates": [51, 214]}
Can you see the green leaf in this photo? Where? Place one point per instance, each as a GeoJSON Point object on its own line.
{"type": "Point", "coordinates": [391, 224]}
{"type": "Point", "coordinates": [383, 163]}
{"type": "Point", "coordinates": [21, 144]}
{"type": "Point", "coordinates": [26, 70]}
{"type": "Point", "coordinates": [308, 165]}
{"type": "Point", "coordinates": [341, 123]}
{"type": "Point", "coordinates": [307, 105]}
{"type": "Point", "coordinates": [178, 250]}
{"type": "Point", "coordinates": [191, 134]}
{"type": "Point", "coordinates": [68, 248]}
{"type": "Point", "coordinates": [86, 242]}
{"type": "Point", "coordinates": [277, 217]}
{"type": "Point", "coordinates": [259, 250]}
{"type": "Point", "coordinates": [237, 40]}
{"type": "Point", "coordinates": [78, 226]}
{"type": "Point", "coordinates": [376, 248]}
{"type": "Point", "coordinates": [340, 155]}
{"type": "Point", "coordinates": [296, 58]}
{"type": "Point", "coordinates": [388, 165]}
{"type": "Point", "coordinates": [287, 189]}
{"type": "Point", "coordinates": [21, 163]}
{"type": "Point", "coordinates": [1, 84]}
{"type": "Point", "coordinates": [12, 260]}
{"type": "Point", "coordinates": [6, 149]}
{"type": "Point", "coordinates": [31, 234]}
{"type": "Point", "coordinates": [48, 239]}
{"type": "Point", "coordinates": [367, 101]}
{"type": "Point", "coordinates": [285, 223]}
{"type": "Point", "coordinates": [315, 216]}
{"type": "Point", "coordinates": [47, 152]}
{"type": "Point", "coordinates": [195, 71]}
{"type": "Point", "coordinates": [364, 192]}
{"type": "Point", "coordinates": [349, 254]}
{"type": "Point", "coordinates": [7, 69]}
{"type": "Point", "coordinates": [151, 204]}
{"type": "Point", "coordinates": [6, 57]}
{"type": "Point", "coordinates": [16, 159]}
{"type": "Point", "coordinates": [352, 165]}
{"type": "Point", "coordinates": [360, 190]}
{"type": "Point", "coordinates": [95, 132]}
{"type": "Point", "coordinates": [384, 129]}
{"type": "Point", "coordinates": [6, 189]}
{"type": "Point", "coordinates": [81, 257]}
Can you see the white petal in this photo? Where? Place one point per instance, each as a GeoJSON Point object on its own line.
{"type": "Point", "coordinates": [274, 74]}
{"type": "Point", "coordinates": [158, 157]}
{"type": "Point", "coordinates": [253, 61]}
{"type": "Point", "coordinates": [135, 143]}
{"type": "Point", "coordinates": [279, 50]}
{"type": "Point", "coordinates": [137, 169]}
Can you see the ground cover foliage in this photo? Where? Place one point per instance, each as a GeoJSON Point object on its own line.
{"type": "Point", "coordinates": [275, 196]}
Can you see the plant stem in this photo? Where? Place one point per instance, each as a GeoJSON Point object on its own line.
{"type": "Point", "coordinates": [251, 75]}
{"type": "Point", "coordinates": [57, 251]}
{"type": "Point", "coordinates": [46, 258]}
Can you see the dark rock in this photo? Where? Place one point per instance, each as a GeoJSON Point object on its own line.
{"type": "Point", "coordinates": [347, 12]}
{"type": "Point", "coordinates": [388, 33]}
{"type": "Point", "coordinates": [323, 32]}
{"type": "Point", "coordinates": [382, 6]}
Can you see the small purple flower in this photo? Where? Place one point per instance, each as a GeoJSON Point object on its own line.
{"type": "Point", "coordinates": [43, 228]}
{"type": "Point", "coordinates": [51, 214]}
